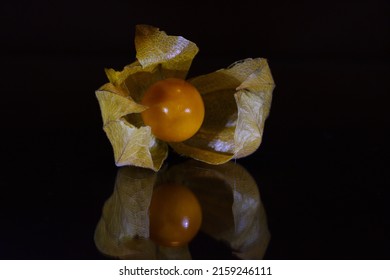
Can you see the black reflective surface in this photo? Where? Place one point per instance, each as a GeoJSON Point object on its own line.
{"type": "Point", "coordinates": [321, 171]}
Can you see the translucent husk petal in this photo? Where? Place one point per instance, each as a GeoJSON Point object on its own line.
{"type": "Point", "coordinates": [131, 145]}
{"type": "Point", "coordinates": [237, 102]}
{"type": "Point", "coordinates": [173, 53]}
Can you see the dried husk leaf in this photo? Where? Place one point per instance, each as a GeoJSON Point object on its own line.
{"type": "Point", "coordinates": [132, 145]}
{"type": "Point", "coordinates": [231, 205]}
{"type": "Point", "coordinates": [159, 56]}
{"type": "Point", "coordinates": [173, 53]}
{"type": "Point", "coordinates": [237, 102]}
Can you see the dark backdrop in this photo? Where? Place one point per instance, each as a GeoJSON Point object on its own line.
{"type": "Point", "coordinates": [322, 169]}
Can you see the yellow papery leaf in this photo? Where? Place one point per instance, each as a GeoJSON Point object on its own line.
{"type": "Point", "coordinates": [132, 145]}
{"type": "Point", "coordinates": [237, 101]}
{"type": "Point", "coordinates": [155, 47]}
{"type": "Point", "coordinates": [115, 106]}
{"type": "Point", "coordinates": [135, 146]}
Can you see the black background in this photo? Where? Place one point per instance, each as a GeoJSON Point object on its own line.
{"type": "Point", "coordinates": [322, 168]}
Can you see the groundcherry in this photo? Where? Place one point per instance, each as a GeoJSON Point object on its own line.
{"type": "Point", "coordinates": [175, 110]}
{"type": "Point", "coordinates": [175, 215]}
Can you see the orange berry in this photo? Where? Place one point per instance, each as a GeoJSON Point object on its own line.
{"type": "Point", "coordinates": [175, 110]}
{"type": "Point", "coordinates": [175, 215]}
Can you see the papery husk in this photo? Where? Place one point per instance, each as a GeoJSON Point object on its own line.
{"type": "Point", "coordinates": [231, 205]}
{"type": "Point", "coordinates": [237, 102]}
{"type": "Point", "coordinates": [132, 145]}
{"type": "Point", "coordinates": [159, 56]}
{"type": "Point", "coordinates": [123, 230]}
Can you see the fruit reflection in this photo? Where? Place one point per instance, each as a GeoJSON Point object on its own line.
{"type": "Point", "coordinates": [175, 215]}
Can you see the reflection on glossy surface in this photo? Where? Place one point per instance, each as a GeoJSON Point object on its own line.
{"type": "Point", "coordinates": [123, 228]}
{"type": "Point", "coordinates": [175, 215]}
{"type": "Point", "coordinates": [230, 203]}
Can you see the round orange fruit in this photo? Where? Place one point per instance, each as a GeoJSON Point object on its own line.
{"type": "Point", "coordinates": [175, 110]}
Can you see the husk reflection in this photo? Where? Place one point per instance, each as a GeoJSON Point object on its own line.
{"type": "Point", "coordinates": [232, 211]}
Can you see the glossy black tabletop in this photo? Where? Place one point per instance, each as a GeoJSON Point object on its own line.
{"type": "Point", "coordinates": [321, 172]}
